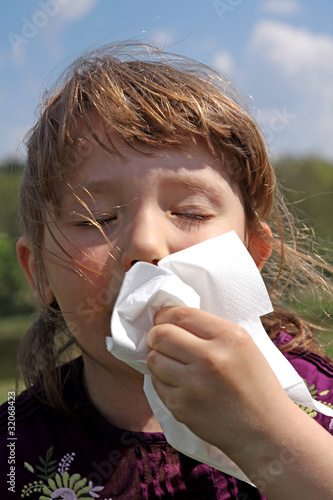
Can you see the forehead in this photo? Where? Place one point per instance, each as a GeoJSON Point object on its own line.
{"type": "Point", "coordinates": [194, 167]}
{"type": "Point", "coordinates": [97, 166]}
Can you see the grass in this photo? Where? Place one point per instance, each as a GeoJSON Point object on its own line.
{"type": "Point", "coordinates": [14, 326]}
{"type": "Point", "coordinates": [12, 330]}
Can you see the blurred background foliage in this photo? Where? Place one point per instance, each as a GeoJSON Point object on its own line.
{"type": "Point", "coordinates": [307, 184]}
{"type": "Point", "coordinates": [15, 297]}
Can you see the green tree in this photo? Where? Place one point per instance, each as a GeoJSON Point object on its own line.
{"type": "Point", "coordinates": [10, 277]}
{"type": "Point", "coordinates": [10, 178]}
{"type": "Point", "coordinates": [307, 184]}
{"type": "Point", "coordinates": [15, 296]}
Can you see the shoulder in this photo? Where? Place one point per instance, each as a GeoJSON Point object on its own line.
{"type": "Point", "coordinates": [22, 431]}
{"type": "Point", "coordinates": [31, 415]}
{"type": "Point", "coordinates": [317, 373]}
{"type": "Point", "coordinates": [31, 412]}
{"type": "Point", "coordinates": [308, 364]}
{"type": "Point", "coordinates": [36, 440]}
{"type": "Point", "coordinates": [20, 408]}
{"type": "Point", "coordinates": [31, 406]}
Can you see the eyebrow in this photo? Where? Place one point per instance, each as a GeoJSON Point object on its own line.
{"type": "Point", "coordinates": [195, 184]}
{"type": "Point", "coordinates": [96, 187]}
{"type": "Point", "coordinates": [85, 191]}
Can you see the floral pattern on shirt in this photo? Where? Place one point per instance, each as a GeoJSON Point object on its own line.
{"type": "Point", "coordinates": [315, 393]}
{"type": "Point", "coordinates": [55, 482]}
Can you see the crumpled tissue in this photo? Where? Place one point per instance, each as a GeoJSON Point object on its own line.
{"type": "Point", "coordinates": [218, 276]}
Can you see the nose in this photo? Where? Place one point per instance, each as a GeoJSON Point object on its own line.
{"type": "Point", "coordinates": [145, 240]}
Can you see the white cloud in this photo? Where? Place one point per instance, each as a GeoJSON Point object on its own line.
{"type": "Point", "coordinates": [75, 10]}
{"type": "Point", "coordinates": [163, 37]}
{"type": "Point", "coordinates": [283, 7]}
{"type": "Point", "coordinates": [223, 61]}
{"type": "Point", "coordinates": [47, 19]}
{"type": "Point", "coordinates": [291, 73]}
{"type": "Point", "coordinates": [293, 49]}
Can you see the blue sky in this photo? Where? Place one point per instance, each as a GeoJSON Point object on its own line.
{"type": "Point", "coordinates": [278, 52]}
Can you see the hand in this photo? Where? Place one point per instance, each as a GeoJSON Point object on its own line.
{"type": "Point", "coordinates": [213, 378]}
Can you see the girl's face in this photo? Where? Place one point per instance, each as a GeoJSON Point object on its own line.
{"type": "Point", "coordinates": [148, 207]}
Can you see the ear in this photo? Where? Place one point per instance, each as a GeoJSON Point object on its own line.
{"type": "Point", "coordinates": [26, 258]}
{"type": "Point", "coordinates": [259, 247]}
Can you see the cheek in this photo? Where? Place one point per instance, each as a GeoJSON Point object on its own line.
{"type": "Point", "coordinates": [78, 278]}
{"type": "Point", "coordinates": [240, 227]}
{"type": "Point", "coordinates": [87, 304]}
{"type": "Point", "coordinates": [234, 220]}
{"type": "Point", "coordinates": [238, 218]}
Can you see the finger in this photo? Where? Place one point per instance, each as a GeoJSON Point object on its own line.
{"type": "Point", "coordinates": [165, 369]}
{"type": "Point", "coordinates": [174, 342]}
{"type": "Point", "coordinates": [201, 323]}
{"type": "Point", "coordinates": [168, 394]}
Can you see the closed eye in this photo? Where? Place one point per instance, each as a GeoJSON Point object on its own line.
{"type": "Point", "coordinates": [102, 222]}
{"type": "Point", "coordinates": [192, 216]}
{"type": "Point", "coordinates": [95, 222]}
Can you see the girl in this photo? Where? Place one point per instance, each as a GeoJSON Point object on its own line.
{"type": "Point", "coordinates": [135, 156]}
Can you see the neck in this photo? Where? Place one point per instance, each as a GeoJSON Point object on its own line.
{"type": "Point", "coordinates": [117, 393]}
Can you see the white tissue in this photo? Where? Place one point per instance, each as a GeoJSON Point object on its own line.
{"type": "Point", "coordinates": [218, 276]}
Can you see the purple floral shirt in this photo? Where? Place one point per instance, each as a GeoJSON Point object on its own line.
{"type": "Point", "coordinates": [53, 457]}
